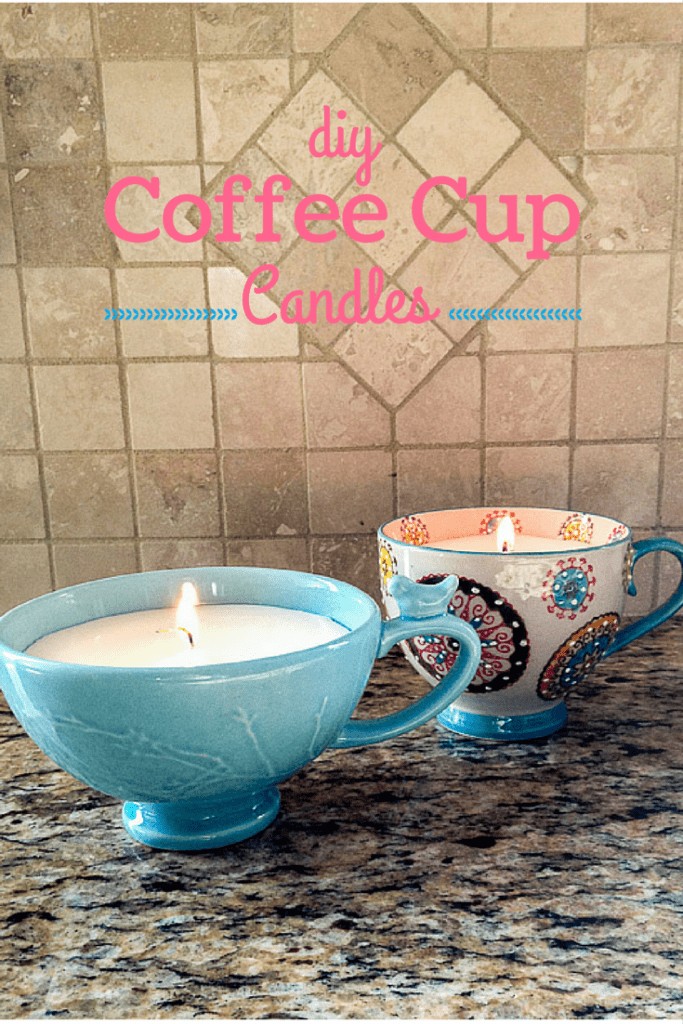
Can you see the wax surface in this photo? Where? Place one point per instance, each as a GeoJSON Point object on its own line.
{"type": "Point", "coordinates": [523, 543]}
{"type": "Point", "coordinates": [227, 633]}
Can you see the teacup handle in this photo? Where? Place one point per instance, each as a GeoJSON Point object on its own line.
{"type": "Point", "coordinates": [666, 610]}
{"type": "Point", "coordinates": [423, 611]}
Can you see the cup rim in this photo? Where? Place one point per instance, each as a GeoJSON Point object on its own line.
{"type": "Point", "coordinates": [224, 671]}
{"type": "Point", "coordinates": [625, 539]}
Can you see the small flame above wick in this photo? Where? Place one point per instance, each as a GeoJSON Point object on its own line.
{"type": "Point", "coordinates": [187, 620]}
{"type": "Point", "coordinates": [505, 535]}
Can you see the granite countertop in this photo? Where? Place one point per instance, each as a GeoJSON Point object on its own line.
{"type": "Point", "coordinates": [432, 876]}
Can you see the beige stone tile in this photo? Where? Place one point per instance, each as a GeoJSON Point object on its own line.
{"type": "Point", "coordinates": [180, 554]}
{"type": "Point", "coordinates": [463, 24]}
{"type": "Point", "coordinates": [150, 110]}
{"type": "Point", "coordinates": [21, 504]}
{"type": "Point", "coordinates": [79, 407]}
{"type": "Point", "coordinates": [316, 25]}
{"type": "Point", "coordinates": [164, 287]}
{"type": "Point", "coordinates": [329, 267]}
{"type": "Point", "coordinates": [12, 333]}
{"type": "Point", "coordinates": [545, 88]}
{"type": "Point", "coordinates": [260, 405]}
{"type": "Point", "coordinates": [637, 23]}
{"type": "Point", "coordinates": [58, 216]}
{"type": "Point", "coordinates": [24, 573]}
{"type": "Point", "coordinates": [350, 559]}
{"type": "Point", "coordinates": [299, 68]}
{"type": "Point", "coordinates": [525, 25]}
{"type": "Point", "coordinates": [677, 299]}
{"type": "Point", "coordinates": [392, 360]}
{"type": "Point", "coordinates": [89, 495]}
{"type": "Point", "coordinates": [674, 406]}
{"type": "Point", "coordinates": [620, 395]}
{"type": "Point", "coordinates": [624, 299]}
{"type": "Point", "coordinates": [437, 478]}
{"type": "Point", "coordinates": [16, 421]}
{"type": "Point", "coordinates": [389, 62]}
{"type": "Point", "coordinates": [248, 216]}
{"type": "Point", "coordinates": [529, 171]}
{"type": "Point", "coordinates": [39, 31]}
{"type": "Point", "coordinates": [469, 273]}
{"type": "Point", "coordinates": [265, 494]}
{"type": "Point", "coordinates": [528, 397]}
{"type": "Point", "coordinates": [350, 492]}
{"type": "Point", "coordinates": [241, 339]}
{"type": "Point", "coordinates": [459, 129]}
{"type": "Point", "coordinates": [3, 153]}
{"type": "Point", "coordinates": [255, 29]}
{"type": "Point", "coordinates": [137, 211]}
{"type": "Point", "coordinates": [237, 97]}
{"type": "Point", "coordinates": [52, 112]}
{"type": "Point", "coordinates": [672, 494]}
{"type": "Point", "coordinates": [80, 562]}
{"type": "Point", "coordinates": [65, 312]}
{"type": "Point", "coordinates": [7, 250]}
{"type": "Point", "coordinates": [177, 494]}
{"type": "Point", "coordinates": [603, 481]}
{"type": "Point", "coordinates": [170, 405]}
{"type": "Point", "coordinates": [145, 30]}
{"type": "Point", "coordinates": [631, 98]}
{"type": "Point", "coordinates": [395, 180]}
{"type": "Point", "coordinates": [270, 553]}
{"type": "Point", "coordinates": [447, 409]}
{"type": "Point", "coordinates": [537, 476]}
{"type": "Point", "coordinates": [551, 285]}
{"type": "Point", "coordinates": [339, 411]}
{"type": "Point", "coordinates": [286, 138]}
{"type": "Point", "coordinates": [635, 193]}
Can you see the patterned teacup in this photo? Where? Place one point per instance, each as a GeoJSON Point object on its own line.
{"type": "Point", "coordinates": [546, 611]}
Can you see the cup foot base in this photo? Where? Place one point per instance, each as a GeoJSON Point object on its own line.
{"type": "Point", "coordinates": [200, 824]}
{"type": "Point", "coordinates": [510, 728]}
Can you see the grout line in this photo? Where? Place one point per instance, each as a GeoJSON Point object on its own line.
{"type": "Point", "coordinates": [215, 405]}
{"type": "Point", "coordinates": [125, 407]}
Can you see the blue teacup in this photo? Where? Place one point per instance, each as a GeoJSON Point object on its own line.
{"type": "Point", "coordinates": [197, 752]}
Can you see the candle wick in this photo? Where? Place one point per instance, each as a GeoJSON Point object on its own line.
{"type": "Point", "coordinates": [506, 547]}
{"type": "Point", "coordinates": [188, 634]}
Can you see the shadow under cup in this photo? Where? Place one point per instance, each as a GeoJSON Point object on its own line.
{"type": "Point", "coordinates": [546, 612]}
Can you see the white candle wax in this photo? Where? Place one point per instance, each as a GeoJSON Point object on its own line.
{"type": "Point", "coordinates": [226, 633]}
{"type": "Point", "coordinates": [523, 543]}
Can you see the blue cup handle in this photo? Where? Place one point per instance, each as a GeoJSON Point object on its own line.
{"type": "Point", "coordinates": [642, 626]}
{"type": "Point", "coordinates": [423, 609]}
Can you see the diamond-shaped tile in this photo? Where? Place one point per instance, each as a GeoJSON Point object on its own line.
{"type": "Point", "coordinates": [466, 273]}
{"type": "Point", "coordinates": [528, 172]}
{"type": "Point", "coordinates": [392, 359]}
{"type": "Point", "coordinates": [395, 179]}
{"type": "Point", "coordinates": [389, 63]}
{"type": "Point", "coordinates": [286, 139]}
{"type": "Point", "coordinates": [468, 141]}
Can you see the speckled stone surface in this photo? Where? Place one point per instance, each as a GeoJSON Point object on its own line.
{"type": "Point", "coordinates": [432, 876]}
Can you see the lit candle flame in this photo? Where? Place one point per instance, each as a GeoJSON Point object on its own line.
{"type": "Point", "coordinates": [505, 535]}
{"type": "Point", "coordinates": [186, 618]}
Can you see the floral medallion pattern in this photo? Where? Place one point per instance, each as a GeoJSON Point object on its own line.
{"type": "Point", "coordinates": [503, 636]}
{"type": "Point", "coordinates": [414, 531]}
{"type": "Point", "coordinates": [490, 521]}
{"type": "Point", "coordinates": [569, 587]}
{"type": "Point", "coordinates": [617, 532]}
{"type": "Point", "coordinates": [387, 565]}
{"type": "Point", "coordinates": [577, 527]}
{"type": "Point", "coordinates": [577, 657]}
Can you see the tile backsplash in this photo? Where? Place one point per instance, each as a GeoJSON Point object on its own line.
{"type": "Point", "coordinates": [141, 445]}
